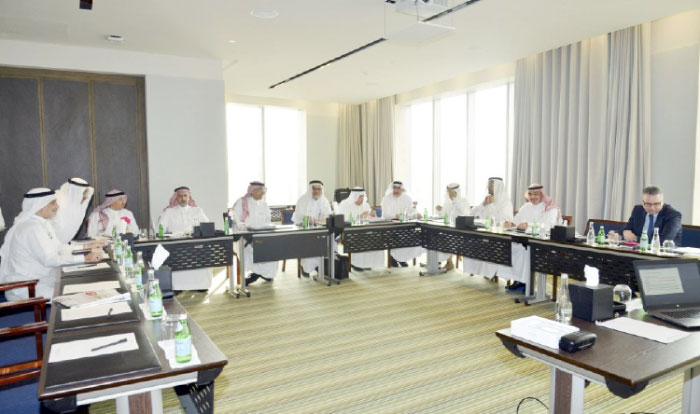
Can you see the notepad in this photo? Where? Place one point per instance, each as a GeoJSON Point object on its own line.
{"type": "Point", "coordinates": [643, 329]}
{"type": "Point", "coordinates": [96, 311]}
{"type": "Point", "coordinates": [66, 351]}
{"type": "Point", "coordinates": [88, 287]}
{"type": "Point", "coordinates": [85, 267]}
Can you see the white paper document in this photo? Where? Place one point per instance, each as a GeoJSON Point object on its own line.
{"type": "Point", "coordinates": [90, 287]}
{"type": "Point", "coordinates": [84, 267]}
{"type": "Point", "coordinates": [96, 311]}
{"type": "Point", "coordinates": [88, 348]}
{"type": "Point", "coordinates": [540, 330]}
{"type": "Point", "coordinates": [168, 346]}
{"type": "Point", "coordinates": [643, 329]}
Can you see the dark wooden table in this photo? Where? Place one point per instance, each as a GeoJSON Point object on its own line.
{"type": "Point", "coordinates": [137, 392]}
{"type": "Point", "coordinates": [625, 364]}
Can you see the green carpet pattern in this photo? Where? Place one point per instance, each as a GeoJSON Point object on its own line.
{"type": "Point", "coordinates": [381, 342]}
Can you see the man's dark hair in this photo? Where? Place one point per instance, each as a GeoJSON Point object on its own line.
{"type": "Point", "coordinates": [652, 190]}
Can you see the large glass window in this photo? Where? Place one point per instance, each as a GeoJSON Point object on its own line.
{"type": "Point", "coordinates": [266, 143]}
{"type": "Point", "coordinates": [460, 138]}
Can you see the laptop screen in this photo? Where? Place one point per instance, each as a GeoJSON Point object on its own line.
{"type": "Point", "coordinates": [668, 283]}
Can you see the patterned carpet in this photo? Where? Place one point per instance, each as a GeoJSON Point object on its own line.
{"type": "Point", "coordinates": [381, 343]}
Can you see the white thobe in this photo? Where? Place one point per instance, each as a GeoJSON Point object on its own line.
{"type": "Point", "coordinates": [520, 257]}
{"type": "Point", "coordinates": [391, 207]}
{"type": "Point", "coordinates": [2, 220]}
{"type": "Point", "coordinates": [259, 216]}
{"type": "Point", "coordinates": [35, 253]}
{"type": "Point", "coordinates": [459, 206]}
{"type": "Point", "coordinates": [365, 259]}
{"type": "Point", "coordinates": [501, 212]}
{"type": "Point", "coordinates": [95, 229]}
{"type": "Point", "coordinates": [176, 220]}
{"type": "Point", "coordinates": [316, 209]}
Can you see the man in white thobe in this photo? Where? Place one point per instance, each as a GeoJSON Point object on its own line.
{"type": "Point", "coordinates": [357, 205]}
{"type": "Point", "coordinates": [110, 214]}
{"type": "Point", "coordinates": [496, 206]}
{"type": "Point", "coordinates": [179, 218]}
{"type": "Point", "coordinates": [32, 249]}
{"type": "Point", "coordinates": [315, 207]}
{"type": "Point", "coordinates": [2, 221]}
{"type": "Point", "coordinates": [73, 198]}
{"type": "Point", "coordinates": [395, 202]}
{"type": "Point", "coordinates": [539, 208]}
{"type": "Point", "coordinates": [249, 212]}
{"type": "Point", "coordinates": [454, 206]}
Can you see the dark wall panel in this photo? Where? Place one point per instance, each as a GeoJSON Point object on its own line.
{"type": "Point", "coordinates": [20, 143]}
{"type": "Point", "coordinates": [66, 106]}
{"type": "Point", "coordinates": [117, 142]}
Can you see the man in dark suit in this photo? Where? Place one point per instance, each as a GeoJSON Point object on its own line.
{"type": "Point", "coordinates": [653, 213]}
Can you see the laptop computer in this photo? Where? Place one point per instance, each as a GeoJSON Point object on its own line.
{"type": "Point", "coordinates": [670, 290]}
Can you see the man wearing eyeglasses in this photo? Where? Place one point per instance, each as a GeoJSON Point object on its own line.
{"type": "Point", "coordinates": [653, 213]}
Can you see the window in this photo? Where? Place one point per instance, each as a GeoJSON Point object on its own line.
{"type": "Point", "coordinates": [463, 138]}
{"type": "Point", "coordinates": [266, 143]}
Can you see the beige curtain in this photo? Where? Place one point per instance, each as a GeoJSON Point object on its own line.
{"type": "Point", "coordinates": [582, 124]}
{"type": "Point", "coordinates": [365, 146]}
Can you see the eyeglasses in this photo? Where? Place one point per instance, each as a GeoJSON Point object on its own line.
{"type": "Point", "coordinates": [651, 204]}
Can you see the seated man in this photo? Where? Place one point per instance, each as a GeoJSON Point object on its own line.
{"type": "Point", "coordinates": [496, 205]}
{"type": "Point", "coordinates": [112, 213]}
{"type": "Point", "coordinates": [454, 206]}
{"type": "Point", "coordinates": [179, 218]}
{"type": "Point", "coordinates": [252, 210]}
{"type": "Point", "coordinates": [653, 213]}
{"type": "Point", "coordinates": [33, 251]}
{"type": "Point", "coordinates": [356, 205]}
{"type": "Point", "coordinates": [73, 198]}
{"type": "Point", "coordinates": [395, 202]}
{"type": "Point", "coordinates": [539, 208]}
{"type": "Point", "coordinates": [2, 221]}
{"type": "Point", "coordinates": [315, 207]}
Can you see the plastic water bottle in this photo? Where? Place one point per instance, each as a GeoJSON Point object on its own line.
{"type": "Point", "coordinates": [563, 306]}
{"type": "Point", "coordinates": [155, 299]}
{"type": "Point", "coordinates": [644, 242]}
{"type": "Point", "coordinates": [656, 242]}
{"type": "Point", "coordinates": [590, 237]}
{"type": "Point", "coordinates": [601, 235]}
{"type": "Point", "coordinates": [183, 340]}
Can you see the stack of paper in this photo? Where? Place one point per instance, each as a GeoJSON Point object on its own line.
{"type": "Point", "coordinates": [92, 298]}
{"type": "Point", "coordinates": [87, 287]}
{"type": "Point", "coordinates": [85, 348]}
{"type": "Point", "coordinates": [85, 267]}
{"type": "Point", "coordinates": [643, 329]}
{"type": "Point", "coordinates": [540, 330]}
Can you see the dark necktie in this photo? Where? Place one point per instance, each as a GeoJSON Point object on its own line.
{"type": "Point", "coordinates": [650, 227]}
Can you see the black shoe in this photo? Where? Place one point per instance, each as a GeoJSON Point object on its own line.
{"type": "Point", "coordinates": [357, 269]}
{"type": "Point", "coordinates": [394, 263]}
{"type": "Point", "coordinates": [303, 273]}
{"type": "Point", "coordinates": [403, 264]}
{"type": "Point", "coordinates": [252, 278]}
{"type": "Point", "coordinates": [267, 279]}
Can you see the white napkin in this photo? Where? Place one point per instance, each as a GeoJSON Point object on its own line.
{"type": "Point", "coordinates": [83, 348]}
{"type": "Point", "coordinates": [159, 257]}
{"type": "Point", "coordinates": [592, 276]}
{"type": "Point", "coordinates": [168, 346]}
{"type": "Point", "coordinates": [147, 312]}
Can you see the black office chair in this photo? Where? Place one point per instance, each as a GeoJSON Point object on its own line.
{"type": "Point", "coordinates": [341, 194]}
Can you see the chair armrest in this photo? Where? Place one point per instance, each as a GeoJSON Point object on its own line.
{"type": "Point", "coordinates": [30, 328]}
{"type": "Point", "coordinates": [30, 284]}
{"type": "Point", "coordinates": [23, 303]}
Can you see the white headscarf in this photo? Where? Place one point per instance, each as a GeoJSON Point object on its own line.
{"type": "Point", "coordinates": [355, 193]}
{"type": "Point", "coordinates": [34, 200]}
{"type": "Point", "coordinates": [501, 199]}
{"type": "Point", "coordinates": [71, 208]}
{"type": "Point", "coordinates": [392, 205]}
{"type": "Point", "coordinates": [308, 206]}
{"type": "Point", "coordinates": [459, 206]}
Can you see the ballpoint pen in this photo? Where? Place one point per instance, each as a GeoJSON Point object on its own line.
{"type": "Point", "coordinates": [121, 341]}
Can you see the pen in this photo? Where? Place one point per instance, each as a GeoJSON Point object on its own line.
{"type": "Point", "coordinates": [121, 341]}
{"type": "Point", "coordinates": [109, 314]}
{"type": "Point", "coordinates": [84, 266]}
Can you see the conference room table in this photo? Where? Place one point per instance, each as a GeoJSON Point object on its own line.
{"type": "Point", "coordinates": [134, 378]}
{"type": "Point", "coordinates": [188, 253]}
{"type": "Point", "coordinates": [623, 363]}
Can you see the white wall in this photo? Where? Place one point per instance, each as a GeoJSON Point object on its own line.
{"type": "Point", "coordinates": [185, 114]}
{"type": "Point", "coordinates": [675, 54]}
{"type": "Point", "coordinates": [321, 135]}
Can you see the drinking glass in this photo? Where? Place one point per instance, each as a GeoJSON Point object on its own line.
{"type": "Point", "coordinates": [622, 294]}
{"type": "Point", "coordinates": [668, 246]}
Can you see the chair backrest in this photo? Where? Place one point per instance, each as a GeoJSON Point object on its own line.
{"type": "Point", "coordinates": [609, 225]}
{"type": "Point", "coordinates": [287, 216]}
{"type": "Point", "coordinates": [341, 194]}
{"type": "Point", "coordinates": [276, 212]}
{"type": "Point", "coordinates": [377, 210]}
{"type": "Point", "coordinates": [569, 219]}
{"type": "Point", "coordinates": [691, 236]}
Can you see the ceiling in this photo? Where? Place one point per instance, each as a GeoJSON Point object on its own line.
{"type": "Point", "coordinates": [309, 32]}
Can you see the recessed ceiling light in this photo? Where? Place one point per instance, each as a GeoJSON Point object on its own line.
{"type": "Point", "coordinates": [115, 38]}
{"type": "Point", "coordinates": [232, 41]}
{"type": "Point", "coordinates": [264, 13]}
